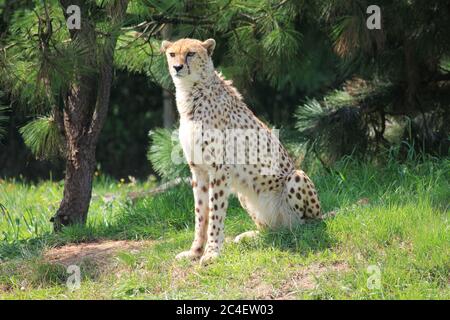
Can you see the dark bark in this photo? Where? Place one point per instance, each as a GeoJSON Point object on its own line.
{"type": "Point", "coordinates": [412, 74]}
{"type": "Point", "coordinates": [77, 187]}
{"type": "Point", "coordinates": [168, 107]}
{"type": "Point", "coordinates": [85, 110]}
{"type": "Point", "coordinates": [79, 156]}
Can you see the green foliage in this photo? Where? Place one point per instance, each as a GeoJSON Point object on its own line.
{"type": "Point", "coordinates": [43, 138]}
{"type": "Point", "coordinates": [31, 75]}
{"type": "Point", "coordinates": [138, 55]}
{"type": "Point", "coordinates": [165, 154]}
{"type": "Point", "coordinates": [259, 37]}
{"type": "Point", "coordinates": [309, 114]}
{"type": "Point", "coordinates": [330, 131]}
{"type": "Point", "coordinates": [40, 61]}
{"type": "Point", "coordinates": [406, 27]}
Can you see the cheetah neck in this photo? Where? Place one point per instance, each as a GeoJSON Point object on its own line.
{"type": "Point", "coordinates": [192, 94]}
{"type": "Point", "coordinates": [189, 92]}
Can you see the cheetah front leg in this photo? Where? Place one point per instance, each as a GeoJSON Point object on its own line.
{"type": "Point", "coordinates": [218, 203]}
{"type": "Point", "coordinates": [200, 188]}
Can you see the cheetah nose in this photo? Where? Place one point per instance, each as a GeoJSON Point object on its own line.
{"type": "Point", "coordinates": [178, 67]}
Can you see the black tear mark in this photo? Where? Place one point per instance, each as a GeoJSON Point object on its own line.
{"type": "Point", "coordinates": [187, 64]}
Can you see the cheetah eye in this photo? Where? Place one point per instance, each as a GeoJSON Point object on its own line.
{"type": "Point", "coordinates": [172, 54]}
{"type": "Point", "coordinates": [190, 54]}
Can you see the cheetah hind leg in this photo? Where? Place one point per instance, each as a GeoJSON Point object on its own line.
{"type": "Point", "coordinates": [249, 234]}
{"type": "Point", "coordinates": [246, 235]}
{"type": "Point", "coordinates": [302, 196]}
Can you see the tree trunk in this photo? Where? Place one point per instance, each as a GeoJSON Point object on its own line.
{"type": "Point", "coordinates": [79, 154]}
{"type": "Point", "coordinates": [85, 110]}
{"type": "Point", "coordinates": [412, 74]}
{"type": "Point", "coordinates": [77, 187]}
{"type": "Point", "coordinates": [169, 113]}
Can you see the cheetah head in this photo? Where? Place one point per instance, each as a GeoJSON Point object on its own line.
{"type": "Point", "coordinates": [189, 59]}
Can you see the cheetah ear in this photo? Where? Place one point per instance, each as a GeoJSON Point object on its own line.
{"type": "Point", "coordinates": [209, 45]}
{"type": "Point", "coordinates": [165, 45]}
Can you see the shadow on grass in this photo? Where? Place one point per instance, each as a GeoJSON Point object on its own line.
{"type": "Point", "coordinates": [39, 273]}
{"type": "Point", "coordinates": [304, 239]}
{"type": "Point", "coordinates": [22, 248]}
{"type": "Point", "coordinates": [154, 217]}
{"type": "Point", "coordinates": [46, 274]}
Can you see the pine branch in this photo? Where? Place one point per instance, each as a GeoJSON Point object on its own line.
{"type": "Point", "coordinates": [42, 137]}
{"type": "Point", "coordinates": [210, 20]}
{"type": "Point", "coordinates": [179, 20]}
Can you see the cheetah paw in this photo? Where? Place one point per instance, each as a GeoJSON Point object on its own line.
{"type": "Point", "coordinates": [191, 255]}
{"type": "Point", "coordinates": [208, 258]}
{"type": "Point", "coordinates": [246, 235]}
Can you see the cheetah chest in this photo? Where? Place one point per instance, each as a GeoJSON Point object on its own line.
{"type": "Point", "coordinates": [187, 135]}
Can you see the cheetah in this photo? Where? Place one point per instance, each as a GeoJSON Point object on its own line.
{"type": "Point", "coordinates": [212, 113]}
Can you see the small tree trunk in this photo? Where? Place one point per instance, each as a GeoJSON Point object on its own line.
{"type": "Point", "coordinates": [77, 187]}
{"type": "Point", "coordinates": [412, 74]}
{"type": "Point", "coordinates": [85, 110]}
{"type": "Point", "coordinates": [168, 113]}
{"type": "Point", "coordinates": [79, 154]}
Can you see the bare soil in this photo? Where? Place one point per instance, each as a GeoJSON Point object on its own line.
{"type": "Point", "coordinates": [99, 252]}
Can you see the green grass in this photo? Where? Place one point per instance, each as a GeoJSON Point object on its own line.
{"type": "Point", "coordinates": [401, 228]}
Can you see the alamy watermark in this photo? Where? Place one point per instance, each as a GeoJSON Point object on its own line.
{"type": "Point", "coordinates": [74, 18]}
{"type": "Point", "coordinates": [374, 20]}
{"type": "Point", "coordinates": [374, 280]}
{"type": "Point", "coordinates": [229, 147]}
{"type": "Point", "coordinates": [74, 280]}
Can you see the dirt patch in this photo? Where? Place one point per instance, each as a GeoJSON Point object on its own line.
{"type": "Point", "coordinates": [306, 278]}
{"type": "Point", "coordinates": [5, 288]}
{"type": "Point", "coordinates": [256, 288]}
{"type": "Point", "coordinates": [98, 252]}
{"type": "Point", "coordinates": [302, 279]}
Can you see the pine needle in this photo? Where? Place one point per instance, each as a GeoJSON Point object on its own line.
{"type": "Point", "coordinates": [42, 137]}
